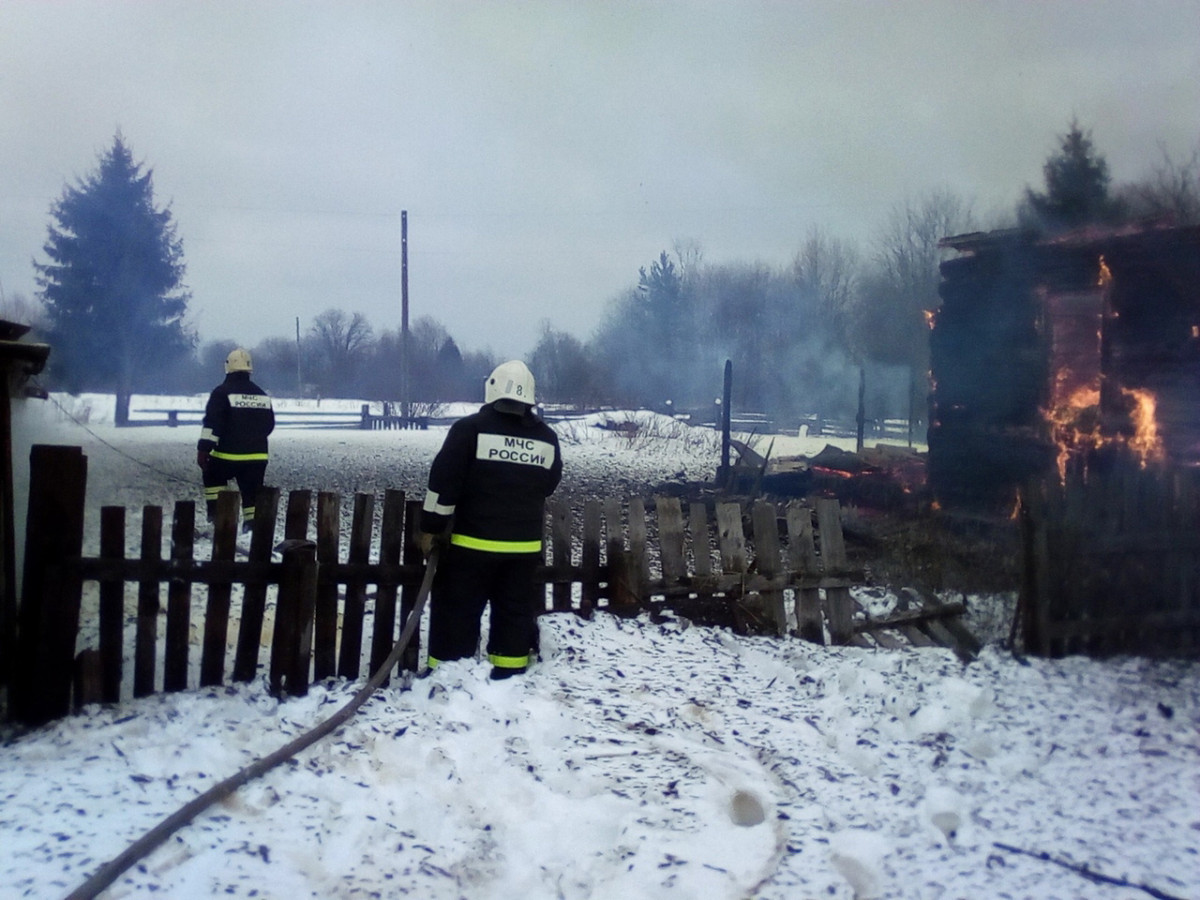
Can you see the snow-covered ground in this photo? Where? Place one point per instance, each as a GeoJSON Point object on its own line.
{"type": "Point", "coordinates": [635, 759]}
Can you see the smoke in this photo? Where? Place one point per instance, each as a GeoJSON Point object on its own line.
{"type": "Point", "coordinates": [669, 339]}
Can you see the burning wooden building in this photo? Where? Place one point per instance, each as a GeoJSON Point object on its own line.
{"type": "Point", "coordinates": [1049, 347]}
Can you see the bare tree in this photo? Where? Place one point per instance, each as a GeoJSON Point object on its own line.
{"type": "Point", "coordinates": [275, 366]}
{"type": "Point", "coordinates": [1172, 190]}
{"type": "Point", "coordinates": [900, 287]}
{"type": "Point", "coordinates": [562, 367]}
{"type": "Point", "coordinates": [829, 269]}
{"type": "Point", "coordinates": [337, 343]}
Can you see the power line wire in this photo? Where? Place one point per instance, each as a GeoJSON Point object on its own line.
{"type": "Point", "coordinates": [66, 412]}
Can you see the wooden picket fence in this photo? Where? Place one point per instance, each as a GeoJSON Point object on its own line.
{"type": "Point", "coordinates": [1112, 561]}
{"type": "Point", "coordinates": [308, 610]}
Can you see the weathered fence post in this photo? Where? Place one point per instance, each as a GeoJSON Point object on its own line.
{"type": "Point", "coordinates": [766, 545]}
{"type": "Point", "coordinates": [112, 604]}
{"type": "Point", "coordinates": [148, 604]}
{"type": "Point", "coordinates": [410, 660]}
{"type": "Point", "coordinates": [589, 558]}
{"type": "Point", "coordinates": [840, 606]}
{"type": "Point", "coordinates": [325, 624]}
{"type": "Point", "coordinates": [560, 547]}
{"type": "Point", "coordinates": [350, 660]}
{"type": "Point", "coordinates": [48, 619]}
{"type": "Point", "coordinates": [216, 614]}
{"type": "Point", "coordinates": [254, 595]}
{"type": "Point", "coordinates": [391, 543]}
{"type": "Point", "coordinates": [614, 541]}
{"type": "Point", "coordinates": [701, 551]}
{"type": "Point", "coordinates": [802, 556]}
{"type": "Point", "coordinates": [670, 539]}
{"type": "Point", "coordinates": [731, 539]}
{"type": "Point", "coordinates": [637, 543]}
{"type": "Point", "coordinates": [179, 598]}
{"type": "Point", "coordinates": [292, 642]}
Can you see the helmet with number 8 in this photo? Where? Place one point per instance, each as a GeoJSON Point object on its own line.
{"type": "Point", "coordinates": [509, 381]}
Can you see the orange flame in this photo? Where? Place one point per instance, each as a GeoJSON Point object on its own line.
{"type": "Point", "coordinates": [1145, 440]}
{"type": "Point", "coordinates": [1076, 426]}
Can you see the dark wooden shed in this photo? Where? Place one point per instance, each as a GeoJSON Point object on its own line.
{"type": "Point", "coordinates": [1048, 347]}
{"type": "Point", "coordinates": [19, 361]}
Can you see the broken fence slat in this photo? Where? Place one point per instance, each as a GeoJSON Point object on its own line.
{"type": "Point", "coordinates": [833, 556]}
{"type": "Point", "coordinates": [670, 538]}
{"type": "Point", "coordinates": [590, 556]}
{"type": "Point", "coordinates": [730, 537]}
{"type": "Point", "coordinates": [560, 547]}
{"type": "Point", "coordinates": [802, 557]}
{"type": "Point", "coordinates": [766, 542]}
{"type": "Point", "coordinates": [637, 542]}
{"type": "Point", "coordinates": [910, 617]}
{"type": "Point", "coordinates": [701, 549]}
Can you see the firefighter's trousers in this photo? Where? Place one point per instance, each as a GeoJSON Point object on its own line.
{"type": "Point", "coordinates": [466, 580]}
{"type": "Point", "coordinates": [249, 476]}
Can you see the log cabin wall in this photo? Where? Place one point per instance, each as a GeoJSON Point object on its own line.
{"type": "Point", "coordinates": [989, 373]}
{"type": "Point", "coordinates": [1016, 333]}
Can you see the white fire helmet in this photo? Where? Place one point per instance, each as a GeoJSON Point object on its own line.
{"type": "Point", "coordinates": [238, 361]}
{"type": "Point", "coordinates": [509, 381]}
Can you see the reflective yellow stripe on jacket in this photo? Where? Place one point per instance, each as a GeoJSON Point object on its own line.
{"type": "Point", "coordinates": [474, 543]}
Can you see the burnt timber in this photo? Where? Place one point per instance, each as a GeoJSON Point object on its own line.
{"type": "Point", "coordinates": [1025, 315]}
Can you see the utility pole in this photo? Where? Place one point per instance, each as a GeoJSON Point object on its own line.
{"type": "Point", "coordinates": [299, 378]}
{"type": "Point", "coordinates": [724, 473]}
{"type": "Point", "coordinates": [861, 418]}
{"type": "Point", "coordinates": [405, 405]}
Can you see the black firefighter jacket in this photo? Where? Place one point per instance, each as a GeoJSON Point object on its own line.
{"type": "Point", "coordinates": [237, 420]}
{"type": "Point", "coordinates": [493, 475]}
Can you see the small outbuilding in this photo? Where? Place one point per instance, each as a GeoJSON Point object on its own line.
{"type": "Point", "coordinates": [19, 360]}
{"type": "Point", "coordinates": [1046, 348]}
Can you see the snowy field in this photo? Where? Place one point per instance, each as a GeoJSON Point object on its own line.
{"type": "Point", "coordinates": [635, 759]}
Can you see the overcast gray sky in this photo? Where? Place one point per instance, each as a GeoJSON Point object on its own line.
{"type": "Point", "coordinates": [546, 150]}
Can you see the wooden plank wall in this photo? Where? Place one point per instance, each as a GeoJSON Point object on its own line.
{"type": "Point", "coordinates": [1112, 562]}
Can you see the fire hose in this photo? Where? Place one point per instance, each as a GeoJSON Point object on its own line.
{"type": "Point", "coordinates": [111, 870]}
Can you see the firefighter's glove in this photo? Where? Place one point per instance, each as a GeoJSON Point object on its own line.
{"type": "Point", "coordinates": [202, 459]}
{"type": "Point", "coordinates": [426, 541]}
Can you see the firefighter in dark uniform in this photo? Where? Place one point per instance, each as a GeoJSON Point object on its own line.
{"type": "Point", "coordinates": [485, 503]}
{"type": "Point", "coordinates": [233, 439]}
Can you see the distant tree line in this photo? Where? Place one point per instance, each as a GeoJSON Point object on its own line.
{"type": "Point", "coordinates": [113, 304]}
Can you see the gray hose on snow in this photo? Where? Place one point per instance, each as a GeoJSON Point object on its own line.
{"type": "Point", "coordinates": [111, 870]}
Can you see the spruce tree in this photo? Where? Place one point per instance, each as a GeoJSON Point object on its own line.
{"type": "Point", "coordinates": [1077, 187]}
{"type": "Point", "coordinates": [113, 284]}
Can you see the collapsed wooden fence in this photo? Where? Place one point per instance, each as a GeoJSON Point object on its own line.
{"type": "Point", "coordinates": [308, 611]}
{"type": "Point", "coordinates": [1112, 561]}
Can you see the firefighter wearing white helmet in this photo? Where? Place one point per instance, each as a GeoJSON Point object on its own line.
{"type": "Point", "coordinates": [485, 505]}
{"type": "Point", "coordinates": [233, 437]}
